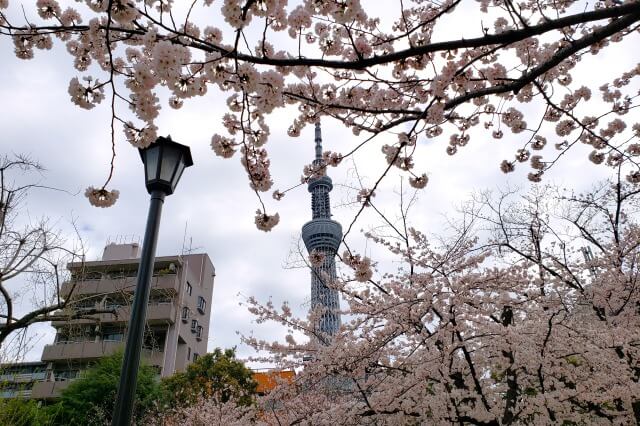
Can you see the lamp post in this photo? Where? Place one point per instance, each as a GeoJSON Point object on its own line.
{"type": "Point", "coordinates": [164, 161]}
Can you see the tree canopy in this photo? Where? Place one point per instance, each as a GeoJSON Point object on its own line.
{"type": "Point", "coordinates": [22, 412]}
{"type": "Point", "coordinates": [526, 314]}
{"type": "Point", "coordinates": [217, 372]}
{"type": "Point", "coordinates": [91, 398]}
{"type": "Point", "coordinates": [422, 70]}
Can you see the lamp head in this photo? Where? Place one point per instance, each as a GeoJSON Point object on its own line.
{"type": "Point", "coordinates": [164, 161]}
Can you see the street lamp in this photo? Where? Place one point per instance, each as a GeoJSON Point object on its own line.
{"type": "Point", "coordinates": [164, 161]}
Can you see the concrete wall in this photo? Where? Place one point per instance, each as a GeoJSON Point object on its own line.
{"type": "Point", "coordinates": [198, 272]}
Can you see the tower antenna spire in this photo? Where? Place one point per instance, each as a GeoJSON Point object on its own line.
{"type": "Point", "coordinates": [318, 141]}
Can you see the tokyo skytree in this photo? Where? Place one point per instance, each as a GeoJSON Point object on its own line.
{"type": "Point", "coordinates": [322, 235]}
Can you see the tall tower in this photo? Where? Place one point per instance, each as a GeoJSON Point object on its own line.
{"type": "Point", "coordinates": [323, 235]}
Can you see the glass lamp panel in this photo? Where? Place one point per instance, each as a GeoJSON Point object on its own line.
{"type": "Point", "coordinates": [170, 159]}
{"type": "Point", "coordinates": [151, 162]}
{"type": "Point", "coordinates": [176, 176]}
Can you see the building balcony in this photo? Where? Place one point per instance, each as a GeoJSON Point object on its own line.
{"type": "Point", "coordinates": [157, 313]}
{"type": "Point", "coordinates": [48, 390]}
{"type": "Point", "coordinates": [23, 377]}
{"type": "Point", "coordinates": [15, 393]}
{"type": "Point", "coordinates": [92, 350]}
{"type": "Point", "coordinates": [168, 282]}
{"type": "Point", "coordinates": [79, 350]}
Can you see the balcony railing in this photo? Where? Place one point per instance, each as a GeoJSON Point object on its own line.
{"type": "Point", "coordinates": [48, 390]}
{"type": "Point", "coordinates": [113, 285]}
{"type": "Point", "coordinates": [15, 393]}
{"type": "Point", "coordinates": [23, 377]}
{"type": "Point", "coordinates": [157, 313]}
{"type": "Point", "coordinates": [89, 350]}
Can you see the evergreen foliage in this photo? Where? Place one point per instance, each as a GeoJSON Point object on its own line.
{"type": "Point", "coordinates": [90, 399]}
{"type": "Point", "coordinates": [218, 372]}
{"type": "Point", "coordinates": [23, 412]}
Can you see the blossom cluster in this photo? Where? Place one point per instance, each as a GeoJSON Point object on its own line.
{"type": "Point", "coordinates": [317, 257]}
{"type": "Point", "coordinates": [365, 195]}
{"type": "Point", "coordinates": [101, 197]}
{"type": "Point", "coordinates": [86, 96]}
{"type": "Point", "coordinates": [361, 266]}
{"type": "Point", "coordinates": [372, 73]}
{"type": "Point", "coordinates": [265, 222]}
{"type": "Point", "coordinates": [256, 164]}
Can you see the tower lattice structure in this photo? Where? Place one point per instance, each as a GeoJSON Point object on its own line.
{"type": "Point", "coordinates": [323, 235]}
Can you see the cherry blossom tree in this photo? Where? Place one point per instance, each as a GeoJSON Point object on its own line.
{"type": "Point", "coordinates": [420, 69]}
{"type": "Point", "coordinates": [527, 314]}
{"type": "Point", "coordinates": [214, 409]}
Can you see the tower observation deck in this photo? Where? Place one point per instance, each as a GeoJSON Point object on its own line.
{"type": "Point", "coordinates": [323, 235]}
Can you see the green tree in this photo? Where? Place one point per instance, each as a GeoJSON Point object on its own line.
{"type": "Point", "coordinates": [217, 373]}
{"type": "Point", "coordinates": [90, 399]}
{"type": "Point", "coordinates": [22, 412]}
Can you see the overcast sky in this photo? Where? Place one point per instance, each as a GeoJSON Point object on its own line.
{"type": "Point", "coordinates": [213, 200]}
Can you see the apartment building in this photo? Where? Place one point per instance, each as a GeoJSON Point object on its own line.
{"type": "Point", "coordinates": [17, 380]}
{"type": "Point", "coordinates": [177, 315]}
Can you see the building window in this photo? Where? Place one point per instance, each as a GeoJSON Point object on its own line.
{"type": "Point", "coordinates": [188, 353]}
{"type": "Point", "coordinates": [112, 336]}
{"type": "Point", "coordinates": [202, 304]}
{"type": "Point", "coordinates": [112, 304]}
{"type": "Point", "coordinates": [161, 299]}
{"type": "Point", "coordinates": [189, 289]}
{"type": "Point", "coordinates": [61, 338]}
{"type": "Point", "coordinates": [85, 304]}
{"type": "Point", "coordinates": [64, 375]}
{"type": "Point", "coordinates": [194, 326]}
{"type": "Point", "coordinates": [185, 314]}
{"type": "Point", "coordinates": [154, 340]}
{"type": "Point", "coordinates": [195, 357]}
{"type": "Point", "coordinates": [199, 333]}
{"type": "Point", "coordinates": [91, 275]}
